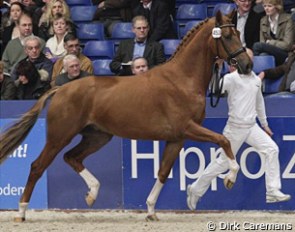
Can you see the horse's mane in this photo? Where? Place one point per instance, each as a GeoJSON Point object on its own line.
{"type": "Point", "coordinates": [188, 37]}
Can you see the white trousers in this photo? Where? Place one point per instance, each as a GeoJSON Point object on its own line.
{"type": "Point", "coordinates": [255, 137]}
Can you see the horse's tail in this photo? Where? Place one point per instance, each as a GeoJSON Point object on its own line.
{"type": "Point", "coordinates": [14, 135]}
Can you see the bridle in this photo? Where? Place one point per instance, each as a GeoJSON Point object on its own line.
{"type": "Point", "coordinates": [217, 81]}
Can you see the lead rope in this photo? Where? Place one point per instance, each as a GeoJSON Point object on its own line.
{"type": "Point", "coordinates": [216, 86]}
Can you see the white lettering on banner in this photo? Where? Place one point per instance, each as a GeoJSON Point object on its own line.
{"type": "Point", "coordinates": [243, 163]}
{"type": "Point", "coordinates": [288, 171]}
{"type": "Point", "coordinates": [20, 152]}
{"type": "Point", "coordinates": [9, 190]}
{"type": "Point", "coordinates": [155, 155]}
{"type": "Point", "coordinates": [214, 152]}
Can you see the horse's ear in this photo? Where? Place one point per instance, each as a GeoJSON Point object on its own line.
{"type": "Point", "coordinates": [231, 14]}
{"type": "Point", "coordinates": [218, 18]}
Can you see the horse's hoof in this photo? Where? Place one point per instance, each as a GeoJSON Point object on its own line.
{"type": "Point", "coordinates": [19, 219]}
{"type": "Point", "coordinates": [228, 184]}
{"type": "Point", "coordinates": [152, 218]}
{"type": "Point", "coordinates": [89, 200]}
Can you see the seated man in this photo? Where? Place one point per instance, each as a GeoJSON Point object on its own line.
{"type": "Point", "coordinates": [286, 69]}
{"type": "Point", "coordinates": [72, 46]}
{"type": "Point", "coordinates": [139, 65]}
{"type": "Point", "coordinates": [14, 51]}
{"type": "Point", "coordinates": [140, 46]}
{"type": "Point", "coordinates": [71, 65]}
{"type": "Point", "coordinates": [32, 48]}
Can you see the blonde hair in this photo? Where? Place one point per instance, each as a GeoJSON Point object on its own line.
{"type": "Point", "coordinates": [47, 17]}
{"type": "Point", "coordinates": [277, 3]}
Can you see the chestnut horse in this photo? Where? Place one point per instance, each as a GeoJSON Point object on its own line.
{"type": "Point", "coordinates": [166, 103]}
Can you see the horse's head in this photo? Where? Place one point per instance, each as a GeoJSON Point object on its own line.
{"type": "Point", "coordinates": [226, 44]}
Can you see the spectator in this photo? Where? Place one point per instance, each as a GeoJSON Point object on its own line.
{"type": "Point", "coordinates": [72, 46]}
{"type": "Point", "coordinates": [32, 47]}
{"type": "Point", "coordinates": [11, 29]}
{"type": "Point", "coordinates": [112, 11]}
{"type": "Point", "coordinates": [139, 65]}
{"type": "Point", "coordinates": [53, 8]}
{"type": "Point", "coordinates": [73, 70]}
{"type": "Point", "coordinates": [140, 46]}
{"type": "Point", "coordinates": [247, 22]}
{"type": "Point", "coordinates": [287, 70]}
{"type": "Point", "coordinates": [55, 45]}
{"type": "Point", "coordinates": [159, 18]}
{"type": "Point", "coordinates": [276, 32]}
{"type": "Point", "coordinates": [14, 50]}
{"type": "Point", "coordinates": [32, 84]}
{"type": "Point", "coordinates": [7, 86]}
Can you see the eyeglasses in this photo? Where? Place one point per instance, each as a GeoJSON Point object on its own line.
{"type": "Point", "coordinates": [141, 28]}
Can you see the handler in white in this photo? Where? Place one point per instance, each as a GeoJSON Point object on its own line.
{"type": "Point", "coordinates": [245, 102]}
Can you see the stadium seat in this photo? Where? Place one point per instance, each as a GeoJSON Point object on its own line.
{"type": "Point", "coordinates": [82, 13]}
{"type": "Point", "coordinates": [102, 67]}
{"type": "Point", "coordinates": [170, 46]}
{"type": "Point", "coordinates": [188, 26]}
{"type": "Point", "coordinates": [99, 49]}
{"type": "Point", "coordinates": [79, 3]}
{"type": "Point", "coordinates": [188, 12]}
{"type": "Point", "coordinates": [122, 30]}
{"type": "Point", "coordinates": [225, 8]}
{"type": "Point", "coordinates": [90, 31]}
{"type": "Point", "coordinates": [263, 62]}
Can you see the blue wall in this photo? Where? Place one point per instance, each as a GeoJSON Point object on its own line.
{"type": "Point", "coordinates": [127, 169]}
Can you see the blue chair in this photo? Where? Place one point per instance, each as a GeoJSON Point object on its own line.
{"type": "Point", "coordinates": [102, 67]}
{"type": "Point", "coordinates": [90, 31]}
{"type": "Point", "coordinates": [188, 26]}
{"type": "Point", "coordinates": [82, 13]}
{"type": "Point", "coordinates": [122, 30]}
{"type": "Point", "coordinates": [99, 49]}
{"type": "Point", "coordinates": [79, 3]}
{"type": "Point", "coordinates": [188, 12]}
{"type": "Point", "coordinates": [224, 8]}
{"type": "Point", "coordinates": [170, 46]}
{"type": "Point", "coordinates": [263, 62]}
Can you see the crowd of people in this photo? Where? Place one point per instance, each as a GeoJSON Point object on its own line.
{"type": "Point", "coordinates": [42, 33]}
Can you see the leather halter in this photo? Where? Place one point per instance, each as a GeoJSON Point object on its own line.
{"type": "Point", "coordinates": [230, 56]}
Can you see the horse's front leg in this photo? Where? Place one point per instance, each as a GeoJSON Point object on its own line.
{"type": "Point", "coordinates": [198, 133]}
{"type": "Point", "coordinates": [171, 152]}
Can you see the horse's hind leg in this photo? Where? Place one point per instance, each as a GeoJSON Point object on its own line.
{"type": "Point", "coordinates": [199, 133]}
{"type": "Point", "coordinates": [92, 140]}
{"type": "Point", "coordinates": [37, 169]}
{"type": "Point", "coordinates": [170, 154]}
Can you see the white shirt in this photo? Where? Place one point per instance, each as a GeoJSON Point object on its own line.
{"type": "Point", "coordinates": [241, 22]}
{"type": "Point", "coordinates": [245, 100]}
{"type": "Point", "coordinates": [57, 49]}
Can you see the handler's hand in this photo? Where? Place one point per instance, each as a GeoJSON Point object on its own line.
{"type": "Point", "coordinates": [268, 130]}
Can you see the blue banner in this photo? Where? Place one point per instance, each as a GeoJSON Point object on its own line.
{"type": "Point", "coordinates": [142, 160]}
{"type": "Point", "coordinates": [15, 170]}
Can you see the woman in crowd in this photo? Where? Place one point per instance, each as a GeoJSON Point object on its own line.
{"type": "Point", "coordinates": [276, 32]}
{"type": "Point", "coordinates": [31, 83]}
{"type": "Point", "coordinates": [53, 8]}
{"type": "Point", "coordinates": [55, 45]}
{"type": "Point", "coordinates": [11, 30]}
